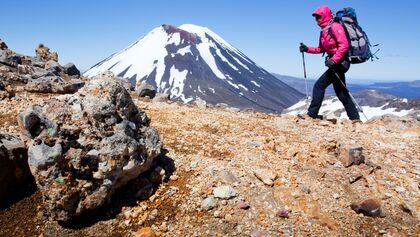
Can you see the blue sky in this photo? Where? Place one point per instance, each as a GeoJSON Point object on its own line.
{"type": "Point", "coordinates": [267, 31]}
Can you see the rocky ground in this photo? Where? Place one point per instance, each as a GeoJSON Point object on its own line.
{"type": "Point", "coordinates": [250, 174]}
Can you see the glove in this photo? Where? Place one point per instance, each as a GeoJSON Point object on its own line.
{"type": "Point", "coordinates": [303, 48]}
{"type": "Point", "coordinates": [329, 63]}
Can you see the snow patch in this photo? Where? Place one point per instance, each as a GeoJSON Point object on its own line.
{"type": "Point", "coordinates": [225, 60]}
{"type": "Point", "coordinates": [239, 62]}
{"type": "Point", "coordinates": [204, 49]}
{"type": "Point", "coordinates": [243, 87]}
{"type": "Point", "coordinates": [255, 83]}
{"type": "Point", "coordinates": [233, 84]}
{"type": "Point", "coordinates": [174, 38]}
{"type": "Point", "coordinates": [176, 81]}
{"type": "Point", "coordinates": [184, 50]}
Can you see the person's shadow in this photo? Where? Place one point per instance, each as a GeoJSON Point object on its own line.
{"type": "Point", "coordinates": [140, 188]}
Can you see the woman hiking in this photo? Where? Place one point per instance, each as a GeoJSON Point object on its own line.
{"type": "Point", "coordinates": [333, 41]}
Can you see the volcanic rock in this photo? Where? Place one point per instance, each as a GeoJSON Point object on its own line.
{"type": "Point", "coordinates": [15, 177]}
{"type": "Point", "coordinates": [2, 45]}
{"type": "Point", "coordinates": [43, 52]}
{"type": "Point", "coordinates": [71, 69]}
{"type": "Point", "coordinates": [145, 89]}
{"type": "Point", "coordinates": [54, 84]}
{"type": "Point", "coordinates": [266, 176]}
{"type": "Point", "coordinates": [224, 192]}
{"type": "Point", "coordinates": [351, 155]}
{"type": "Point", "coordinates": [369, 207]}
{"type": "Point", "coordinates": [84, 146]}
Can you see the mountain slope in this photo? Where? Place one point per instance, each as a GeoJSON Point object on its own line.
{"type": "Point", "coordinates": [374, 103]}
{"type": "Point", "coordinates": [212, 148]}
{"type": "Point", "coordinates": [192, 62]}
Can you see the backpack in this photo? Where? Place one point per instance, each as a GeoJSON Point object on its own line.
{"type": "Point", "coordinates": [359, 45]}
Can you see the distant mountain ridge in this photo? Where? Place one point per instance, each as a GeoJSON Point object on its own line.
{"type": "Point", "coordinates": [374, 103]}
{"type": "Point", "coordinates": [192, 62]}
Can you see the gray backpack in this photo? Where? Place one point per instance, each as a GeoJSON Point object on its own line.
{"type": "Point", "coordinates": [359, 45]}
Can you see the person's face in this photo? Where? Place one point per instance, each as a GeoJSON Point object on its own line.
{"type": "Point", "coordinates": [317, 18]}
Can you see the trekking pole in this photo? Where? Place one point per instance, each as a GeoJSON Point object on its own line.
{"type": "Point", "coordinates": [304, 73]}
{"type": "Point", "coordinates": [351, 96]}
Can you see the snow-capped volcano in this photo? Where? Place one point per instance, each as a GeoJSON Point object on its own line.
{"type": "Point", "coordinates": [191, 62]}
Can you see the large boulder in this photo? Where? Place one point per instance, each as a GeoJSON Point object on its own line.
{"type": "Point", "coordinates": [43, 52]}
{"type": "Point", "coordinates": [84, 146]}
{"type": "Point", "coordinates": [145, 89]}
{"type": "Point", "coordinates": [11, 60]}
{"type": "Point", "coordinates": [71, 69]}
{"type": "Point", "coordinates": [54, 84]}
{"type": "Point", "coordinates": [53, 66]}
{"type": "Point", "coordinates": [2, 45]}
{"type": "Point", "coordinates": [38, 62]}
{"type": "Point", "coordinates": [16, 179]}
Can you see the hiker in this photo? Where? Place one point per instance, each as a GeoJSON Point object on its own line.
{"type": "Point", "coordinates": [336, 47]}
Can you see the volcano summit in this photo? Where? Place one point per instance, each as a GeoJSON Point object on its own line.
{"type": "Point", "coordinates": [192, 62]}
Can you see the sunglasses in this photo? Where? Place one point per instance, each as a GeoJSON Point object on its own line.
{"type": "Point", "coordinates": [317, 17]}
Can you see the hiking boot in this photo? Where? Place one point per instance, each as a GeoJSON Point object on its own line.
{"type": "Point", "coordinates": [356, 121]}
{"type": "Point", "coordinates": [307, 117]}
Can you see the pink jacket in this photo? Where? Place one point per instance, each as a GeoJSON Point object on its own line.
{"type": "Point", "coordinates": [336, 47]}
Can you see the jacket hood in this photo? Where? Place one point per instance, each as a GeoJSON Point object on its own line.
{"type": "Point", "coordinates": [326, 15]}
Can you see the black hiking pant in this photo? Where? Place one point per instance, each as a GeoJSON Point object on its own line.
{"type": "Point", "coordinates": [323, 82]}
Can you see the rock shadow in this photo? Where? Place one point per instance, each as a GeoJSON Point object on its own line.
{"type": "Point", "coordinates": [138, 189]}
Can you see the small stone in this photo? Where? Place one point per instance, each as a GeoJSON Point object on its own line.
{"type": "Point", "coordinates": [368, 207]}
{"type": "Point", "coordinates": [224, 192]}
{"type": "Point", "coordinates": [259, 234]}
{"type": "Point", "coordinates": [282, 212]}
{"type": "Point", "coordinates": [40, 215]}
{"type": "Point", "coordinates": [354, 177]}
{"type": "Point", "coordinates": [127, 214]}
{"type": "Point", "coordinates": [242, 204]}
{"type": "Point", "coordinates": [336, 196]}
{"type": "Point", "coordinates": [306, 189]}
{"type": "Point", "coordinates": [194, 163]}
{"type": "Point", "coordinates": [400, 189]}
{"type": "Point", "coordinates": [208, 203]}
{"type": "Point", "coordinates": [153, 214]}
{"type": "Point", "coordinates": [382, 232]}
{"type": "Point", "coordinates": [266, 176]}
{"type": "Point", "coordinates": [171, 191]}
{"type": "Point", "coordinates": [406, 208]}
{"type": "Point", "coordinates": [217, 214]}
{"type": "Point", "coordinates": [127, 222]}
{"type": "Point", "coordinates": [331, 118]}
{"type": "Point", "coordinates": [228, 217]}
{"type": "Point", "coordinates": [350, 155]}
{"type": "Point", "coordinates": [295, 194]}
{"type": "Point", "coordinates": [331, 160]}
{"type": "Point", "coordinates": [253, 144]}
{"type": "Point", "coordinates": [229, 177]}
{"type": "Point", "coordinates": [324, 123]}
{"type": "Point", "coordinates": [201, 104]}
{"type": "Point", "coordinates": [163, 227]}
{"type": "Point", "coordinates": [174, 177]}
{"type": "Point", "coordinates": [144, 232]}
